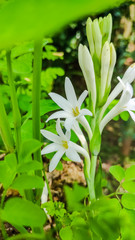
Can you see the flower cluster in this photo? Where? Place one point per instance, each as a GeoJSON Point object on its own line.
{"type": "Point", "coordinates": [97, 66]}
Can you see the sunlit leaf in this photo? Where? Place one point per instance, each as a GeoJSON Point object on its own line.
{"type": "Point", "coordinates": [27, 19]}
{"type": "Point", "coordinates": [24, 182]}
{"type": "Point", "coordinates": [23, 212]}
{"type": "Point", "coordinates": [117, 172]}
{"type": "Point", "coordinates": [128, 201]}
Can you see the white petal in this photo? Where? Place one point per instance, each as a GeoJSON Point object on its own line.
{"type": "Point", "coordinates": [53, 147]}
{"type": "Point", "coordinates": [58, 114]}
{"type": "Point", "coordinates": [110, 115]}
{"type": "Point", "coordinates": [82, 98]}
{"type": "Point", "coordinates": [73, 155]}
{"type": "Point", "coordinates": [132, 114]}
{"type": "Point", "coordinates": [126, 95]}
{"type": "Point", "coordinates": [79, 149]}
{"type": "Point", "coordinates": [80, 135]}
{"type": "Point", "coordinates": [82, 120]}
{"type": "Point", "coordinates": [44, 195]}
{"type": "Point", "coordinates": [59, 130]}
{"type": "Point", "coordinates": [70, 92]}
{"type": "Point", "coordinates": [69, 123]}
{"type": "Point", "coordinates": [56, 158]}
{"type": "Point", "coordinates": [129, 75]}
{"type": "Point", "coordinates": [61, 102]}
{"type": "Point", "coordinates": [85, 112]}
{"type": "Point", "coordinates": [68, 135]}
{"type": "Point", "coordinates": [51, 136]}
{"type": "Point", "coordinates": [131, 104]}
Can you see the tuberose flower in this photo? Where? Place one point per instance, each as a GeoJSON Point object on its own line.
{"type": "Point", "coordinates": [71, 107]}
{"type": "Point", "coordinates": [62, 145]}
{"type": "Point", "coordinates": [128, 77]}
{"type": "Point", "coordinates": [126, 103]}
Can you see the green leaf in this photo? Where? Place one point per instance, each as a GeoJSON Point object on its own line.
{"type": "Point", "coordinates": [27, 148]}
{"type": "Point", "coordinates": [128, 223]}
{"type": "Point", "coordinates": [43, 17]}
{"type": "Point", "coordinates": [130, 173]}
{"type": "Point", "coordinates": [23, 64]}
{"type": "Point", "coordinates": [124, 116]}
{"type": "Point", "coordinates": [129, 183]}
{"type": "Point", "coordinates": [118, 172]}
{"type": "Point", "coordinates": [24, 102]}
{"type": "Point", "coordinates": [129, 186]}
{"type": "Point", "coordinates": [59, 166]}
{"type": "Point", "coordinates": [29, 166]}
{"type": "Point", "coordinates": [47, 106]}
{"type": "Point", "coordinates": [48, 76]}
{"type": "Point", "coordinates": [75, 196]}
{"type": "Point", "coordinates": [18, 211]}
{"type": "Point", "coordinates": [24, 182]}
{"type": "Point", "coordinates": [8, 170]}
{"type": "Point", "coordinates": [66, 233]}
{"type": "Point", "coordinates": [128, 201]}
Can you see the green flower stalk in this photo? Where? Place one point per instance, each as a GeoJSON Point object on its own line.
{"type": "Point", "coordinates": [15, 107]}
{"type": "Point", "coordinates": [5, 129]}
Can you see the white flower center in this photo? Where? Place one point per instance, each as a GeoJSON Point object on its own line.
{"type": "Point", "coordinates": [75, 111]}
{"type": "Point", "coordinates": [65, 144]}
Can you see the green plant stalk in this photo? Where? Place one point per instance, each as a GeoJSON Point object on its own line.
{"type": "Point", "coordinates": [36, 92]}
{"type": "Point", "coordinates": [36, 89]}
{"type": "Point", "coordinates": [16, 111]}
{"type": "Point", "coordinates": [5, 129]}
{"type": "Point", "coordinates": [92, 177]}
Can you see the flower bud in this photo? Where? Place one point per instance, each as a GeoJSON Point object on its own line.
{"type": "Point", "coordinates": [112, 64]}
{"type": "Point", "coordinates": [90, 36]}
{"type": "Point", "coordinates": [86, 64]}
{"type": "Point", "coordinates": [97, 36]}
{"type": "Point", "coordinates": [105, 63]}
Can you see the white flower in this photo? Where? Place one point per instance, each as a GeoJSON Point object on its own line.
{"type": "Point", "coordinates": [71, 107]}
{"type": "Point", "coordinates": [128, 77]}
{"type": "Point", "coordinates": [62, 145]}
{"type": "Point", "coordinates": [86, 65]}
{"type": "Point", "coordinates": [126, 103]}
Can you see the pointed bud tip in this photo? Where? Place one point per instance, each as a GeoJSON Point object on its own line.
{"type": "Point", "coordinates": [132, 65]}
{"type": "Point", "coordinates": [89, 21]}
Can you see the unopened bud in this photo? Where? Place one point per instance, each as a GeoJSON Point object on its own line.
{"type": "Point", "coordinates": [90, 36]}
{"type": "Point", "coordinates": [97, 37]}
{"type": "Point", "coordinates": [105, 63]}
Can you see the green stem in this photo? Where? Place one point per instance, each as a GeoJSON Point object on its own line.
{"type": "Point", "coordinates": [36, 96]}
{"type": "Point", "coordinates": [91, 178]}
{"type": "Point", "coordinates": [16, 111]}
{"type": "Point", "coordinates": [5, 128]}
{"type": "Point", "coordinates": [36, 91]}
